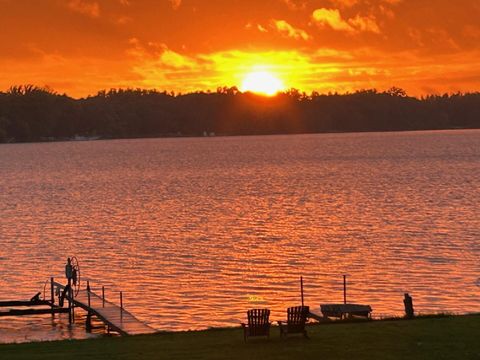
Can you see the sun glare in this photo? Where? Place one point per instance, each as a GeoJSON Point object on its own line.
{"type": "Point", "coordinates": [262, 82]}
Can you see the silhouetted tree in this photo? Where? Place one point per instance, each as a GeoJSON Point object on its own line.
{"type": "Point", "coordinates": [30, 113]}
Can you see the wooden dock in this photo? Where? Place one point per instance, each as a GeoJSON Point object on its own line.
{"type": "Point", "coordinates": [32, 307]}
{"type": "Point", "coordinates": [66, 298]}
{"type": "Point", "coordinates": [115, 317]}
{"type": "Point", "coordinates": [341, 311]}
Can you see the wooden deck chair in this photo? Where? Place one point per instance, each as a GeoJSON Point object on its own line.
{"type": "Point", "coordinates": [258, 323]}
{"type": "Point", "coordinates": [296, 319]}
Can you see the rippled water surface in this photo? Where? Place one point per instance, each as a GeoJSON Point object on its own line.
{"type": "Point", "coordinates": [196, 231]}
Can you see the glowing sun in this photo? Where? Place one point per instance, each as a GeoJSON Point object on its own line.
{"type": "Point", "coordinates": [262, 82]}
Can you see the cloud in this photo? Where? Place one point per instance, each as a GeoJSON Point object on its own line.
{"type": "Point", "coordinates": [121, 19]}
{"type": "Point", "coordinates": [159, 54]}
{"type": "Point", "coordinates": [175, 3]}
{"type": "Point", "coordinates": [333, 19]}
{"type": "Point", "coordinates": [77, 76]}
{"type": "Point", "coordinates": [170, 70]}
{"type": "Point", "coordinates": [261, 28]}
{"type": "Point", "coordinates": [344, 3]}
{"type": "Point", "coordinates": [295, 4]}
{"type": "Point", "coordinates": [193, 60]}
{"type": "Point", "coordinates": [365, 23]}
{"type": "Point", "coordinates": [329, 54]}
{"type": "Point", "coordinates": [174, 60]}
{"type": "Point", "coordinates": [471, 31]}
{"type": "Point", "coordinates": [258, 27]}
{"type": "Point", "coordinates": [393, 2]}
{"type": "Point", "coordinates": [85, 7]}
{"type": "Point", "coordinates": [288, 30]}
{"type": "Point", "coordinates": [154, 65]}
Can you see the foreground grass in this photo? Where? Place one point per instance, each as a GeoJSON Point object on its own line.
{"type": "Point", "coordinates": [455, 337]}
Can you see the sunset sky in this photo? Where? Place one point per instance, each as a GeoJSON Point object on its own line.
{"type": "Point", "coordinates": [82, 46]}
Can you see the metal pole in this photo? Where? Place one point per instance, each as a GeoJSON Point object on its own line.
{"type": "Point", "coordinates": [103, 296]}
{"type": "Point", "coordinates": [52, 296]}
{"type": "Point", "coordinates": [88, 292]}
{"type": "Point", "coordinates": [70, 318]}
{"type": "Point", "coordinates": [121, 305]}
{"type": "Point", "coordinates": [301, 287]}
{"type": "Point", "coordinates": [345, 289]}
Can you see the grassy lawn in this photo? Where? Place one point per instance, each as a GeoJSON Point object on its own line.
{"type": "Point", "coordinates": [456, 337]}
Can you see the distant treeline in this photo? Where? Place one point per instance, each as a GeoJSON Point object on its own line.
{"type": "Point", "coordinates": [29, 113]}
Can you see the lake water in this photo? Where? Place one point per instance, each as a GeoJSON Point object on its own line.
{"type": "Point", "coordinates": [195, 231]}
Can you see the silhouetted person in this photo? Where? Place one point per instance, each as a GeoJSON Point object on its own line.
{"type": "Point", "coordinates": [408, 302]}
{"type": "Point", "coordinates": [69, 275]}
{"type": "Point", "coordinates": [69, 269]}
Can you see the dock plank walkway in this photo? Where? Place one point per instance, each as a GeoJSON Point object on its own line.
{"type": "Point", "coordinates": [118, 319]}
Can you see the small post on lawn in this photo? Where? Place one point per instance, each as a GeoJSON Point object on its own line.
{"type": "Point", "coordinates": [103, 296]}
{"type": "Point", "coordinates": [408, 303]}
{"type": "Point", "coordinates": [301, 288]}
{"type": "Point", "coordinates": [345, 289]}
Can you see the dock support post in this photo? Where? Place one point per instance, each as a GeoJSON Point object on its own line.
{"type": "Point", "coordinates": [52, 296]}
{"type": "Point", "coordinates": [345, 289]}
{"type": "Point", "coordinates": [88, 324]}
{"type": "Point", "coordinates": [103, 296]}
{"type": "Point", "coordinates": [301, 288]}
{"type": "Point", "coordinates": [121, 305]}
{"type": "Point", "coordinates": [88, 292]}
{"type": "Point", "coordinates": [70, 314]}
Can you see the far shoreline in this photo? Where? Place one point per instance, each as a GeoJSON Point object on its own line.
{"type": "Point", "coordinates": [199, 136]}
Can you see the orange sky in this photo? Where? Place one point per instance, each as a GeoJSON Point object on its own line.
{"type": "Point", "coordinates": [82, 46]}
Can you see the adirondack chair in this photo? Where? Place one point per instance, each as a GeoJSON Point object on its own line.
{"type": "Point", "coordinates": [258, 323]}
{"type": "Point", "coordinates": [296, 319]}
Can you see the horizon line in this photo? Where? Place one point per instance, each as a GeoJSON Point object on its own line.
{"type": "Point", "coordinates": [393, 90]}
